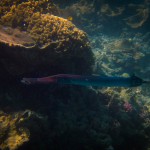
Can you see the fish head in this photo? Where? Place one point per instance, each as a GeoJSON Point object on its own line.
{"type": "Point", "coordinates": [26, 81]}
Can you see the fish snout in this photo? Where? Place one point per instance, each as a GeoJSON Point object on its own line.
{"type": "Point", "coordinates": [25, 81]}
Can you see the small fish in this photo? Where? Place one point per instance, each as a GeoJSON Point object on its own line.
{"type": "Point", "coordinates": [92, 80]}
{"type": "Point", "coordinates": [69, 18]}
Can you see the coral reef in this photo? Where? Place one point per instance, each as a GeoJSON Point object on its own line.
{"type": "Point", "coordinates": [89, 119]}
{"type": "Point", "coordinates": [33, 27]}
{"type": "Point", "coordinates": [78, 9]}
{"type": "Point", "coordinates": [17, 13]}
{"type": "Point", "coordinates": [49, 30]}
{"type": "Point", "coordinates": [80, 117]}
{"type": "Point", "coordinates": [106, 10]}
{"type": "Point", "coordinates": [36, 41]}
{"type": "Point", "coordinates": [139, 18]}
{"type": "Point", "coordinates": [125, 54]}
{"type": "Point", "coordinates": [15, 128]}
{"type": "Point", "coordinates": [116, 56]}
{"type": "Point", "coordinates": [80, 12]}
{"type": "Point", "coordinates": [106, 16]}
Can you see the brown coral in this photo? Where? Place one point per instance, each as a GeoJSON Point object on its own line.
{"type": "Point", "coordinates": [34, 29]}
{"type": "Point", "coordinates": [19, 128]}
{"type": "Point", "coordinates": [50, 30]}
{"type": "Point", "coordinates": [18, 13]}
{"type": "Point", "coordinates": [12, 136]}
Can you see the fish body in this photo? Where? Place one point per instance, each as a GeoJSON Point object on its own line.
{"type": "Point", "coordinates": [92, 80]}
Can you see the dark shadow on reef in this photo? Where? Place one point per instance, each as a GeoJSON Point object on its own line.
{"type": "Point", "coordinates": [77, 117]}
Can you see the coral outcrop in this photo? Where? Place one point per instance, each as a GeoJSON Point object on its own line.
{"type": "Point", "coordinates": [33, 38]}
{"type": "Point", "coordinates": [54, 31]}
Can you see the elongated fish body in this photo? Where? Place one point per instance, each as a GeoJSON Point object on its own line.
{"type": "Point", "coordinates": [102, 81]}
{"type": "Point", "coordinates": [98, 81]}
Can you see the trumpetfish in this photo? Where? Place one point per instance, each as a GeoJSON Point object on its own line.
{"type": "Point", "coordinates": [91, 80]}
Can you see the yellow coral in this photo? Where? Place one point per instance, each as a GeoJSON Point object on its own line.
{"type": "Point", "coordinates": [15, 140]}
{"type": "Point", "coordinates": [16, 13]}
{"type": "Point", "coordinates": [48, 29]}
{"type": "Point", "coordinates": [10, 135]}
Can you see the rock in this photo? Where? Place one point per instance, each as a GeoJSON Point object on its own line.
{"type": "Point", "coordinates": [15, 37]}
